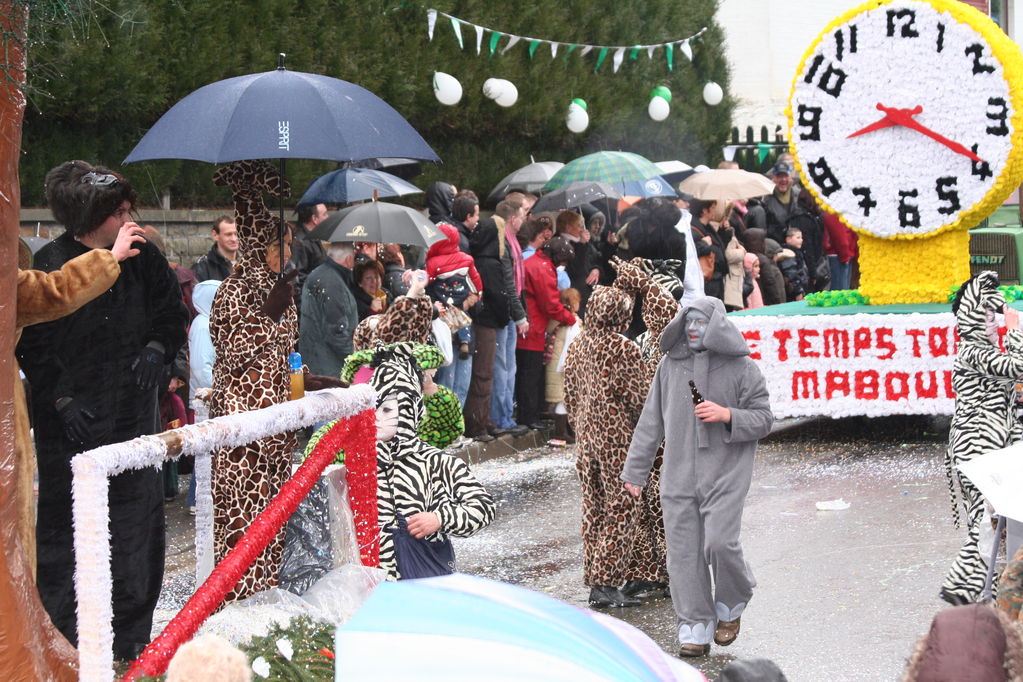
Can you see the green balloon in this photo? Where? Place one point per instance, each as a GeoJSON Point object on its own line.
{"type": "Point", "coordinates": [581, 102]}
{"type": "Point", "coordinates": [661, 91]}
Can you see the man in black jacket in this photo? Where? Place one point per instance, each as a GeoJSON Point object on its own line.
{"type": "Point", "coordinates": [489, 249]}
{"type": "Point", "coordinates": [306, 254]}
{"type": "Point", "coordinates": [219, 262]}
{"type": "Point", "coordinates": [465, 214]}
{"type": "Point", "coordinates": [790, 205]}
{"type": "Point", "coordinates": [94, 377]}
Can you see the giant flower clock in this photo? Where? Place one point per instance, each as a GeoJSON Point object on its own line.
{"type": "Point", "coordinates": [906, 118]}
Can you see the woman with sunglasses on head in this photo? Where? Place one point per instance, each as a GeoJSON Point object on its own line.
{"type": "Point", "coordinates": [94, 377]}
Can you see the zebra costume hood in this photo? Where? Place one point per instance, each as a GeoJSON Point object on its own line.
{"type": "Point", "coordinates": [973, 302]}
{"type": "Point", "coordinates": [983, 378]}
{"type": "Point", "coordinates": [396, 375]}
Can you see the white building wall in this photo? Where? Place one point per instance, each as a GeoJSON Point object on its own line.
{"type": "Point", "coordinates": [765, 40]}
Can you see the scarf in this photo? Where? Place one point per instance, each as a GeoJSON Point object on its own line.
{"type": "Point", "coordinates": [517, 264]}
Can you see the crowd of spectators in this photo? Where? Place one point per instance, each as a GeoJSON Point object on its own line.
{"type": "Point", "coordinates": [507, 291]}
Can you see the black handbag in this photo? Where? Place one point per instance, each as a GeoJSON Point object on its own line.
{"type": "Point", "coordinates": [822, 274]}
{"type": "Point", "coordinates": [419, 557]}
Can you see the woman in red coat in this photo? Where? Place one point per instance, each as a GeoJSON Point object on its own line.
{"type": "Point", "coordinates": [542, 305]}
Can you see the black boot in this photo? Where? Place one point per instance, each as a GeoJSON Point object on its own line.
{"type": "Point", "coordinates": [953, 598]}
{"type": "Point", "coordinates": [561, 428]}
{"type": "Point", "coordinates": [603, 596]}
{"type": "Point", "coordinates": [645, 589]}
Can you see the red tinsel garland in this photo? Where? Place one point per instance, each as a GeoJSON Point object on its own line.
{"type": "Point", "coordinates": [361, 475]}
{"type": "Point", "coordinates": [357, 435]}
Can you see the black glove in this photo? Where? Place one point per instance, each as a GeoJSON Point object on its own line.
{"type": "Point", "coordinates": [318, 382]}
{"type": "Point", "coordinates": [75, 416]}
{"type": "Point", "coordinates": [148, 367]}
{"type": "Point", "coordinates": [281, 294]}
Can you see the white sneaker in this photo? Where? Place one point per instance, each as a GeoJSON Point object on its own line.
{"type": "Point", "coordinates": [191, 509]}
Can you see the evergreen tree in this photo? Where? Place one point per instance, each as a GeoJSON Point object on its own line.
{"type": "Point", "coordinates": [95, 91]}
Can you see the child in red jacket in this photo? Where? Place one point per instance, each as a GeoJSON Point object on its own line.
{"type": "Point", "coordinates": [453, 279]}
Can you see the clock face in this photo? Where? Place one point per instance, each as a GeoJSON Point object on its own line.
{"type": "Point", "coordinates": [902, 118]}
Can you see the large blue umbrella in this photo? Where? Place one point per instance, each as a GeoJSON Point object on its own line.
{"type": "Point", "coordinates": [347, 185]}
{"type": "Point", "coordinates": [460, 627]}
{"type": "Point", "coordinates": [281, 114]}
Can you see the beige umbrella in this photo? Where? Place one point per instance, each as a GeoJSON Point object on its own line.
{"type": "Point", "coordinates": [725, 185]}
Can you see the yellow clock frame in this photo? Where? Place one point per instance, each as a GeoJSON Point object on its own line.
{"type": "Point", "coordinates": [923, 268]}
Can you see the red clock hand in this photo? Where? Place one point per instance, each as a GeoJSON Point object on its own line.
{"type": "Point", "coordinates": [884, 122]}
{"type": "Point", "coordinates": [904, 117]}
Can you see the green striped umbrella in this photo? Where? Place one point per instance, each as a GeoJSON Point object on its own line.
{"type": "Point", "coordinates": [604, 167]}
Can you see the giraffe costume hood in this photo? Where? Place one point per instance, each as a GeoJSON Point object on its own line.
{"type": "Point", "coordinates": [248, 180]}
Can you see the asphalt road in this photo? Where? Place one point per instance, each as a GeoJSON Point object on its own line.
{"type": "Point", "coordinates": [842, 595]}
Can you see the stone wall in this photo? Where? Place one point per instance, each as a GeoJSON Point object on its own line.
{"type": "Point", "coordinates": [186, 233]}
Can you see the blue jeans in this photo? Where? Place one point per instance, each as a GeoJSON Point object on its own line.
{"type": "Point", "coordinates": [840, 273]}
{"type": "Point", "coordinates": [456, 376]}
{"type": "Point", "coordinates": [503, 394]}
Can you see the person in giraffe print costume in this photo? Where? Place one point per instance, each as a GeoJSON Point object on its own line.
{"type": "Point", "coordinates": [606, 380]}
{"type": "Point", "coordinates": [254, 327]}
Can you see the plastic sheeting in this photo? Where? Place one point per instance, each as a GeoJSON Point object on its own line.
{"type": "Point", "coordinates": [320, 535]}
{"type": "Point", "coordinates": [334, 598]}
{"type": "Point", "coordinates": [321, 575]}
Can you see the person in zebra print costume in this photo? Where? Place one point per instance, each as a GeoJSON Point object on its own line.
{"type": "Point", "coordinates": [984, 380]}
{"type": "Point", "coordinates": [433, 490]}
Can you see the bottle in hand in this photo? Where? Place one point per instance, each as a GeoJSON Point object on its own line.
{"type": "Point", "coordinates": [697, 398]}
{"type": "Point", "coordinates": [297, 376]}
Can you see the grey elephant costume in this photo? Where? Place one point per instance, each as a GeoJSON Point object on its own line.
{"type": "Point", "coordinates": [707, 466]}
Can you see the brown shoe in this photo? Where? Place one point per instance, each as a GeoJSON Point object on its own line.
{"type": "Point", "coordinates": [693, 650]}
{"type": "Point", "coordinates": [726, 632]}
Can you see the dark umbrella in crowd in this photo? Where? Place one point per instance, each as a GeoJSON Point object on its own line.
{"type": "Point", "coordinates": [674, 171]}
{"type": "Point", "coordinates": [575, 194]}
{"type": "Point", "coordinates": [348, 185]}
{"type": "Point", "coordinates": [381, 222]}
{"type": "Point", "coordinates": [281, 114]}
{"type": "Point", "coordinates": [406, 169]}
{"type": "Point", "coordinates": [529, 178]}
{"type": "Point", "coordinates": [656, 186]}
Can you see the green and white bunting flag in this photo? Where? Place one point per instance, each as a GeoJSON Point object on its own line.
{"type": "Point", "coordinates": [618, 52]}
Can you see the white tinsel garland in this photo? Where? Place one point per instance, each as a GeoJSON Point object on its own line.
{"type": "Point", "coordinates": [93, 584]}
{"type": "Point", "coordinates": [202, 471]}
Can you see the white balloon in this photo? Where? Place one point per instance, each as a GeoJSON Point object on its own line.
{"type": "Point", "coordinates": [510, 95]}
{"type": "Point", "coordinates": [713, 94]}
{"type": "Point", "coordinates": [577, 120]}
{"type": "Point", "coordinates": [493, 88]}
{"type": "Point", "coordinates": [502, 91]}
{"type": "Point", "coordinates": [446, 88]}
{"type": "Point", "coordinates": [658, 108]}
